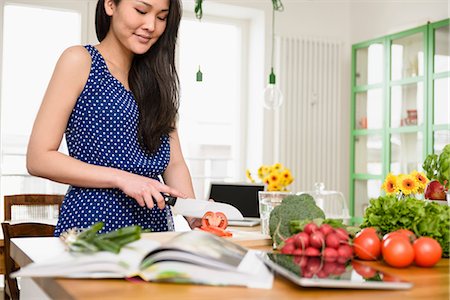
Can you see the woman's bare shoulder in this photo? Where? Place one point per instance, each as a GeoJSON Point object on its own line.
{"type": "Point", "coordinates": [76, 56]}
{"type": "Point", "coordinates": [73, 67]}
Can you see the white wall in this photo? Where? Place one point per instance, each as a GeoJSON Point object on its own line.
{"type": "Point", "coordinates": [374, 19]}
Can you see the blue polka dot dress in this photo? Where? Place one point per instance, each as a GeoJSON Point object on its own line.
{"type": "Point", "coordinates": [102, 130]}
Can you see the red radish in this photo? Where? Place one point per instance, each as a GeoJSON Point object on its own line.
{"type": "Point", "coordinates": [345, 251]}
{"type": "Point", "coordinates": [317, 239]}
{"type": "Point", "coordinates": [342, 233]}
{"type": "Point", "coordinates": [326, 229]}
{"type": "Point", "coordinates": [298, 251]}
{"type": "Point", "coordinates": [311, 251]}
{"type": "Point", "coordinates": [310, 228]}
{"type": "Point", "coordinates": [332, 240]}
{"type": "Point", "coordinates": [301, 240]}
{"type": "Point", "coordinates": [288, 248]}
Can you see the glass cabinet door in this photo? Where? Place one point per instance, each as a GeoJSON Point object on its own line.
{"type": "Point", "coordinates": [406, 152]}
{"type": "Point", "coordinates": [407, 57]}
{"type": "Point", "coordinates": [369, 109]}
{"type": "Point", "coordinates": [442, 49]}
{"type": "Point", "coordinates": [440, 84]}
{"type": "Point", "coordinates": [407, 105]}
{"type": "Point", "coordinates": [442, 101]}
{"type": "Point", "coordinates": [364, 191]}
{"type": "Point", "coordinates": [368, 154]}
{"type": "Point", "coordinates": [369, 64]}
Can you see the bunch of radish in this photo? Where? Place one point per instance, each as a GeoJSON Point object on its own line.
{"type": "Point", "coordinates": [324, 240]}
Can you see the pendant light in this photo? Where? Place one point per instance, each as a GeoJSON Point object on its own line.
{"type": "Point", "coordinates": [198, 14]}
{"type": "Point", "coordinates": [273, 98]}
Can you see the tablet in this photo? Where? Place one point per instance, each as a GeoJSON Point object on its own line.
{"type": "Point", "coordinates": [314, 272]}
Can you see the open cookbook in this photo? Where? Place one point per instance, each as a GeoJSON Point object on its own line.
{"type": "Point", "coordinates": [190, 257]}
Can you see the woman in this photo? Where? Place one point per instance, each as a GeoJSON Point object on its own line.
{"type": "Point", "coordinates": [117, 103]}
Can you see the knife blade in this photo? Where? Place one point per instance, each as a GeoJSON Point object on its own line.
{"type": "Point", "coordinates": [197, 208]}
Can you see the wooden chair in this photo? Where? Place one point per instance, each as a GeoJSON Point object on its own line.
{"type": "Point", "coordinates": [11, 289]}
{"type": "Point", "coordinates": [26, 207]}
{"type": "Point", "coordinates": [32, 206]}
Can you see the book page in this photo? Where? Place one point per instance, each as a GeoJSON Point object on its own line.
{"type": "Point", "coordinates": [201, 244]}
{"type": "Point", "coordinates": [92, 265]}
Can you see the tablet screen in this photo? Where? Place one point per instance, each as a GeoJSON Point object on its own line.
{"type": "Point", "coordinates": [315, 272]}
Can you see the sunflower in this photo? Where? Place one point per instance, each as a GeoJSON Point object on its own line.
{"type": "Point", "coordinates": [286, 177]}
{"type": "Point", "coordinates": [263, 171]}
{"type": "Point", "coordinates": [249, 176]}
{"type": "Point", "coordinates": [408, 184]}
{"type": "Point", "coordinates": [277, 166]}
{"type": "Point", "coordinates": [273, 186]}
{"type": "Point", "coordinates": [421, 180]}
{"type": "Point", "coordinates": [390, 184]}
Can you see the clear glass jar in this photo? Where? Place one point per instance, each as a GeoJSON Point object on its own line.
{"type": "Point", "coordinates": [332, 203]}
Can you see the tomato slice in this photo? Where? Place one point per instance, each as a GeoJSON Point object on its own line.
{"type": "Point", "coordinates": [216, 219]}
{"type": "Point", "coordinates": [216, 230]}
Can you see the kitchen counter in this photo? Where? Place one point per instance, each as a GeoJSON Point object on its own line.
{"type": "Point", "coordinates": [429, 283]}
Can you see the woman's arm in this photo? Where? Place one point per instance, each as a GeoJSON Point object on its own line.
{"type": "Point", "coordinates": [44, 160]}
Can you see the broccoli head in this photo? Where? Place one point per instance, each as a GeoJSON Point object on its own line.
{"type": "Point", "coordinates": [294, 207]}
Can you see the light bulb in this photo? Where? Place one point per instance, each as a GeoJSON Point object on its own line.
{"type": "Point", "coordinates": [273, 98]}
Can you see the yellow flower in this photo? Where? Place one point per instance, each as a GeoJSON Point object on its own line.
{"type": "Point", "coordinates": [287, 177]}
{"type": "Point", "coordinates": [263, 171]}
{"type": "Point", "coordinates": [421, 180]}
{"type": "Point", "coordinates": [276, 177]}
{"type": "Point", "coordinates": [408, 185]}
{"type": "Point", "coordinates": [277, 166]}
{"type": "Point", "coordinates": [249, 176]}
{"type": "Point", "coordinates": [390, 185]}
{"type": "Point", "coordinates": [273, 186]}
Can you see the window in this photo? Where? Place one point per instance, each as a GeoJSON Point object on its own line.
{"type": "Point", "coordinates": [211, 111]}
{"type": "Point", "coordinates": [29, 55]}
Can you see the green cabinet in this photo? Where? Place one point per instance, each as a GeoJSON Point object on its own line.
{"type": "Point", "coordinates": [400, 106]}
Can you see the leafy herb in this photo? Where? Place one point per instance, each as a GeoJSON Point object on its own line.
{"type": "Point", "coordinates": [88, 240]}
{"type": "Point", "coordinates": [438, 167]}
{"type": "Point", "coordinates": [388, 214]}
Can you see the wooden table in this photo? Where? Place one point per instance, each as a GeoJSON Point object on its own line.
{"type": "Point", "coordinates": [429, 283]}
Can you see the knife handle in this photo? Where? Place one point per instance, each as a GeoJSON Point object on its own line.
{"type": "Point", "coordinates": [171, 200]}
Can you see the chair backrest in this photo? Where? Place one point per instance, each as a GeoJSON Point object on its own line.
{"type": "Point", "coordinates": [32, 206]}
{"type": "Point", "coordinates": [10, 231]}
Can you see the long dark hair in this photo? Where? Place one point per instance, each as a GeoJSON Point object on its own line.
{"type": "Point", "coordinates": [153, 78]}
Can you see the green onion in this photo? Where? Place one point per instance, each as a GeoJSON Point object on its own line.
{"type": "Point", "coordinates": [88, 240]}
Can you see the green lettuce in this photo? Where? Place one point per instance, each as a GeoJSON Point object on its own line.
{"type": "Point", "coordinates": [388, 214]}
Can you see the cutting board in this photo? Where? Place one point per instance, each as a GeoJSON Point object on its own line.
{"type": "Point", "coordinates": [241, 236]}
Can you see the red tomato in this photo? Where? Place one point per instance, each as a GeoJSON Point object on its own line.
{"type": "Point", "coordinates": [393, 234]}
{"type": "Point", "coordinates": [407, 233]}
{"type": "Point", "coordinates": [364, 270]}
{"type": "Point", "coordinates": [368, 230]}
{"type": "Point", "coordinates": [398, 251]}
{"type": "Point", "coordinates": [367, 245]}
{"type": "Point", "coordinates": [216, 219]}
{"type": "Point", "coordinates": [427, 252]}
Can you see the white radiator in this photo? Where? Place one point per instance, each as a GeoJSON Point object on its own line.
{"type": "Point", "coordinates": [309, 121]}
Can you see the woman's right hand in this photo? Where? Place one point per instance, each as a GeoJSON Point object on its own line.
{"type": "Point", "coordinates": [144, 189]}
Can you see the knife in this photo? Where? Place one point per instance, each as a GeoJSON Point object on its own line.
{"type": "Point", "coordinates": [197, 208]}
